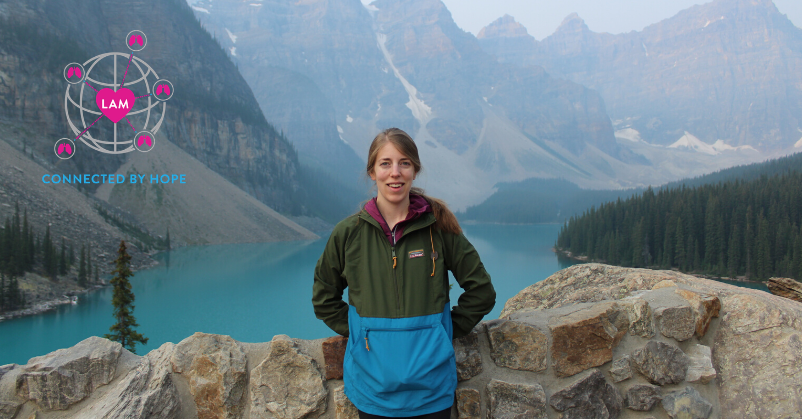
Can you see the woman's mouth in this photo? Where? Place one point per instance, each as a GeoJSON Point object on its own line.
{"type": "Point", "coordinates": [395, 185]}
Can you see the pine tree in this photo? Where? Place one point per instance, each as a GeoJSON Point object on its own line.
{"type": "Point", "coordinates": [97, 275]}
{"type": "Point", "coordinates": [123, 301]}
{"type": "Point", "coordinates": [62, 260]}
{"type": "Point", "coordinates": [167, 240]}
{"type": "Point", "coordinates": [82, 268]}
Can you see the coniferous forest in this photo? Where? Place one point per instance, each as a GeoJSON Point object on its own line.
{"type": "Point", "coordinates": [739, 227]}
{"type": "Point", "coordinates": [22, 250]}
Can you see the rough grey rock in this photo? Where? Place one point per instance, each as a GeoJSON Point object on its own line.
{"type": "Point", "coordinates": [585, 338]}
{"type": "Point", "coordinates": [145, 392]}
{"type": "Point", "coordinates": [469, 360]}
{"type": "Point", "coordinates": [343, 408]}
{"type": "Point", "coordinates": [621, 369]}
{"type": "Point", "coordinates": [275, 383]}
{"type": "Point", "coordinates": [6, 368]}
{"type": "Point", "coordinates": [642, 397]}
{"type": "Point", "coordinates": [676, 322]}
{"type": "Point", "coordinates": [687, 404]}
{"type": "Point", "coordinates": [786, 287]}
{"type": "Point", "coordinates": [10, 402]}
{"type": "Point", "coordinates": [469, 404]}
{"type": "Point", "coordinates": [640, 317]}
{"type": "Point", "coordinates": [661, 363]}
{"type": "Point", "coordinates": [757, 353]}
{"type": "Point", "coordinates": [516, 401]}
{"type": "Point", "coordinates": [705, 307]}
{"type": "Point", "coordinates": [589, 397]}
{"type": "Point", "coordinates": [64, 377]}
{"type": "Point", "coordinates": [701, 368]}
{"type": "Point", "coordinates": [215, 367]}
{"type": "Point", "coordinates": [517, 345]}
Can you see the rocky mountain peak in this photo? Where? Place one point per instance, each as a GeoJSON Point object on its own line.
{"type": "Point", "coordinates": [503, 27]}
{"type": "Point", "coordinates": [572, 23]}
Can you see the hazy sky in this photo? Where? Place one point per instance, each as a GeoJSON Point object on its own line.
{"type": "Point", "coordinates": [542, 17]}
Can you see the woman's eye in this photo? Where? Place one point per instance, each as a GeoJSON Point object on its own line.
{"type": "Point", "coordinates": [405, 163]}
{"type": "Point", "coordinates": [385, 164]}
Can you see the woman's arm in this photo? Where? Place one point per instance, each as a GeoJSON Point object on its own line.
{"type": "Point", "coordinates": [327, 291]}
{"type": "Point", "coordinates": [478, 297]}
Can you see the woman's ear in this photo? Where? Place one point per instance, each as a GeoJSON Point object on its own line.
{"type": "Point", "coordinates": [372, 175]}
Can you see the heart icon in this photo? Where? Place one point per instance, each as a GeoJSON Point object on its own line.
{"type": "Point", "coordinates": [115, 105]}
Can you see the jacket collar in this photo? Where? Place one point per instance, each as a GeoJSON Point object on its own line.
{"type": "Point", "coordinates": [419, 215]}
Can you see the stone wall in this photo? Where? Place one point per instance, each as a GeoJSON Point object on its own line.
{"type": "Point", "coordinates": [591, 341]}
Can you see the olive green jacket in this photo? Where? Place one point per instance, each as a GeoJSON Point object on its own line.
{"type": "Point", "coordinates": [405, 280]}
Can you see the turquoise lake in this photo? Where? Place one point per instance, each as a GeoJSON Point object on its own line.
{"type": "Point", "coordinates": [253, 292]}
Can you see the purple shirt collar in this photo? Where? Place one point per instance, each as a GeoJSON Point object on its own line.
{"type": "Point", "coordinates": [417, 207]}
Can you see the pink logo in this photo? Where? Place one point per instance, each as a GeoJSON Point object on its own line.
{"type": "Point", "coordinates": [144, 139]}
{"type": "Point", "coordinates": [115, 105]}
{"type": "Point", "coordinates": [64, 147]}
{"type": "Point", "coordinates": [135, 39]}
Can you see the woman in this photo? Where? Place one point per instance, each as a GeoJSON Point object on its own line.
{"type": "Point", "coordinates": [393, 257]}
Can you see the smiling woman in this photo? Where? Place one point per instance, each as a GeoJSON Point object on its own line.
{"type": "Point", "coordinates": [393, 257]}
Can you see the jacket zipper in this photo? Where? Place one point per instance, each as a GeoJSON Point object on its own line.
{"type": "Point", "coordinates": [395, 280]}
{"type": "Point", "coordinates": [403, 329]}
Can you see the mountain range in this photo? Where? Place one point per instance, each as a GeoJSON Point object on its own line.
{"type": "Point", "coordinates": [727, 70]}
{"type": "Point", "coordinates": [501, 106]}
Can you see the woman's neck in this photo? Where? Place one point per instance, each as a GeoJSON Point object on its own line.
{"type": "Point", "coordinates": [393, 213]}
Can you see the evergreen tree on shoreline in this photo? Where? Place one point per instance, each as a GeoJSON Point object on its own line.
{"type": "Point", "coordinates": [123, 301]}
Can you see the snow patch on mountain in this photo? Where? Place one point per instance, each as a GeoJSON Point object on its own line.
{"type": "Point", "coordinates": [201, 9]}
{"type": "Point", "coordinates": [421, 111]}
{"type": "Point", "coordinates": [798, 144]}
{"type": "Point", "coordinates": [231, 36]}
{"type": "Point", "coordinates": [720, 145]}
{"type": "Point", "coordinates": [233, 51]}
{"type": "Point", "coordinates": [629, 134]}
{"type": "Point", "coordinates": [349, 119]}
{"type": "Point", "coordinates": [693, 143]}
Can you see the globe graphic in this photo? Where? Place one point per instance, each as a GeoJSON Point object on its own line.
{"type": "Point", "coordinates": [114, 70]}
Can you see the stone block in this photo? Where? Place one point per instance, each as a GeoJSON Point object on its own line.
{"type": "Point", "coordinates": [701, 368]}
{"type": "Point", "coordinates": [333, 356]}
{"type": "Point", "coordinates": [687, 404]}
{"type": "Point", "coordinates": [640, 317]}
{"type": "Point", "coordinates": [676, 322]}
{"type": "Point", "coordinates": [642, 397]}
{"type": "Point", "coordinates": [215, 367]}
{"type": "Point", "coordinates": [147, 391]}
{"type": "Point", "coordinates": [661, 363]}
{"type": "Point", "coordinates": [590, 397]}
{"type": "Point", "coordinates": [287, 384]}
{"type": "Point", "coordinates": [517, 345]}
{"type": "Point", "coordinates": [469, 404]}
{"type": "Point", "coordinates": [786, 287]}
{"type": "Point", "coordinates": [586, 338]}
{"type": "Point", "coordinates": [343, 408]}
{"type": "Point", "coordinates": [705, 307]}
{"type": "Point", "coordinates": [469, 359]}
{"type": "Point", "coordinates": [514, 401]}
{"type": "Point", "coordinates": [621, 369]}
{"type": "Point", "coordinates": [64, 377]}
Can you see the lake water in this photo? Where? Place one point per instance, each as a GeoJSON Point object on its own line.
{"type": "Point", "coordinates": [252, 292]}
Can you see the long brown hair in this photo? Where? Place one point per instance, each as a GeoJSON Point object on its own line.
{"type": "Point", "coordinates": [446, 220]}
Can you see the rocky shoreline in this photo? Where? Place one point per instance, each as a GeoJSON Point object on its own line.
{"type": "Point", "coordinates": [47, 305]}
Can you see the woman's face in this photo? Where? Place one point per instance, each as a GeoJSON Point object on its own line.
{"type": "Point", "coordinates": [393, 173]}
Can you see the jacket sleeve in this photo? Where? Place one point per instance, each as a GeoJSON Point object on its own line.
{"type": "Point", "coordinates": [478, 297]}
{"type": "Point", "coordinates": [327, 290]}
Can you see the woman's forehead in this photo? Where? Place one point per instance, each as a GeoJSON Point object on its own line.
{"type": "Point", "coordinates": [390, 152]}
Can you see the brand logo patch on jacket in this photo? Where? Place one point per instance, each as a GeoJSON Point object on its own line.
{"type": "Point", "coordinates": [416, 254]}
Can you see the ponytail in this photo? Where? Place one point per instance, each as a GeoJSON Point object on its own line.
{"type": "Point", "coordinates": [446, 220]}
